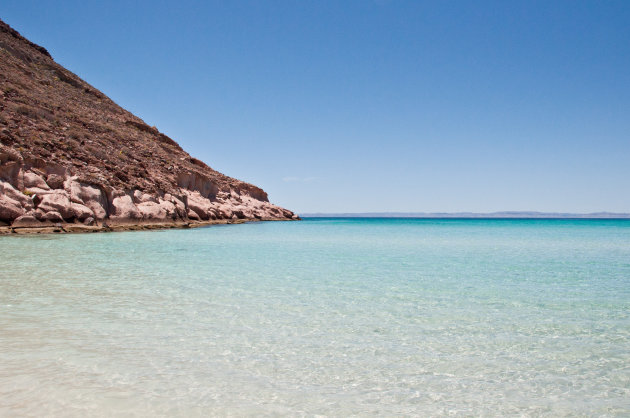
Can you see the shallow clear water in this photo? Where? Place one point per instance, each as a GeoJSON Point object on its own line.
{"type": "Point", "coordinates": [324, 316]}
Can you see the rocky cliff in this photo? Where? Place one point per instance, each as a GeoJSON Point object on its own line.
{"type": "Point", "coordinates": [70, 157]}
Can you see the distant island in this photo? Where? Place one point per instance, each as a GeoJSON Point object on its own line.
{"type": "Point", "coordinates": [467, 215]}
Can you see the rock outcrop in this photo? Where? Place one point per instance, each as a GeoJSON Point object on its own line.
{"type": "Point", "coordinates": [70, 156]}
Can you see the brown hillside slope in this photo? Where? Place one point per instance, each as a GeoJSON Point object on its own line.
{"type": "Point", "coordinates": [70, 155]}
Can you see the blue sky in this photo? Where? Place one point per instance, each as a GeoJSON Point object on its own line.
{"type": "Point", "coordinates": [361, 106]}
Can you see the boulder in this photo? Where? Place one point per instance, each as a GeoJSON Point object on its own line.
{"type": "Point", "coordinates": [81, 212]}
{"type": "Point", "coordinates": [225, 211]}
{"type": "Point", "coordinates": [37, 213]}
{"type": "Point", "coordinates": [33, 180]}
{"type": "Point", "coordinates": [180, 206]}
{"type": "Point", "coordinates": [90, 196]}
{"type": "Point", "coordinates": [97, 208]}
{"type": "Point", "coordinates": [200, 205]}
{"type": "Point", "coordinates": [124, 209]}
{"type": "Point", "coordinates": [10, 209]}
{"type": "Point", "coordinates": [140, 197]}
{"type": "Point", "coordinates": [238, 213]}
{"type": "Point", "coordinates": [7, 190]}
{"type": "Point", "coordinates": [57, 202]}
{"type": "Point", "coordinates": [167, 206]}
{"type": "Point", "coordinates": [193, 215]}
{"type": "Point", "coordinates": [213, 214]}
{"type": "Point", "coordinates": [52, 217]}
{"type": "Point", "coordinates": [153, 211]}
{"type": "Point", "coordinates": [55, 181]}
{"type": "Point", "coordinates": [26, 221]}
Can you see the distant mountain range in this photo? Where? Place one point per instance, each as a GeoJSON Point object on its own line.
{"type": "Point", "coordinates": [493, 215]}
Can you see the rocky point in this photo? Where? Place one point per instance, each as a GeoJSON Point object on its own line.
{"type": "Point", "coordinates": [71, 159]}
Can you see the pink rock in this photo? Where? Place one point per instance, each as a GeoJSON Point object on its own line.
{"type": "Point", "coordinates": [40, 192]}
{"type": "Point", "coordinates": [55, 181]}
{"type": "Point", "coordinates": [167, 205]}
{"type": "Point", "coordinates": [26, 221]}
{"type": "Point", "coordinates": [198, 183]}
{"type": "Point", "coordinates": [169, 208]}
{"type": "Point", "coordinates": [193, 215]}
{"type": "Point", "coordinates": [213, 214]}
{"type": "Point", "coordinates": [153, 211]}
{"type": "Point", "coordinates": [140, 197]}
{"type": "Point", "coordinates": [180, 207]}
{"type": "Point", "coordinates": [247, 212]}
{"type": "Point", "coordinates": [10, 209]}
{"type": "Point", "coordinates": [33, 180]}
{"type": "Point", "coordinates": [81, 212]}
{"type": "Point", "coordinates": [57, 202]}
{"type": "Point", "coordinates": [6, 189]}
{"type": "Point", "coordinates": [90, 196]}
{"type": "Point", "coordinates": [124, 209]}
{"type": "Point", "coordinates": [52, 217]}
{"type": "Point", "coordinates": [37, 213]}
{"type": "Point", "coordinates": [10, 171]}
{"type": "Point", "coordinates": [200, 205]}
{"type": "Point", "coordinates": [225, 211]}
{"type": "Point", "coordinates": [83, 192]}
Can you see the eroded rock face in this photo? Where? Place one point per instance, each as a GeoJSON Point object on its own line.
{"type": "Point", "coordinates": [13, 203]}
{"type": "Point", "coordinates": [90, 196]}
{"type": "Point", "coordinates": [88, 204]}
{"type": "Point", "coordinates": [68, 154]}
{"type": "Point", "coordinates": [28, 200]}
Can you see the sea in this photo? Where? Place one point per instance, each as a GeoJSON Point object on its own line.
{"type": "Point", "coordinates": [322, 317]}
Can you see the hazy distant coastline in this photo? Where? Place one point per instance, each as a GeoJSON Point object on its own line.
{"type": "Point", "coordinates": [493, 215]}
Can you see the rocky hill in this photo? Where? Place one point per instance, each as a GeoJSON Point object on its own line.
{"type": "Point", "coordinates": [70, 157]}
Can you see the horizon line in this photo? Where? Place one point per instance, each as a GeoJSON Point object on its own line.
{"type": "Point", "coordinates": [489, 215]}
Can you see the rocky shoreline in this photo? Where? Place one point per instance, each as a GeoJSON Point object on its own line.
{"type": "Point", "coordinates": [36, 197]}
{"type": "Point", "coordinates": [65, 228]}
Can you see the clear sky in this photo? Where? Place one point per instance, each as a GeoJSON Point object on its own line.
{"type": "Point", "coordinates": [361, 106]}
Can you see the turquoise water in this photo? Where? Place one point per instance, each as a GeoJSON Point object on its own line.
{"type": "Point", "coordinates": [332, 317]}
